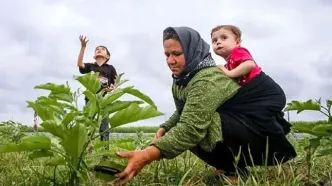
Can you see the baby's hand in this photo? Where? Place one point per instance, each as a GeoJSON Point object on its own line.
{"type": "Point", "coordinates": [222, 68]}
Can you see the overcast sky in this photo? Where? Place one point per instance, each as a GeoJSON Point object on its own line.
{"type": "Point", "coordinates": [291, 40]}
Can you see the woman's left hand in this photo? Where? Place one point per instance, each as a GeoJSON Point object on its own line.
{"type": "Point", "coordinates": [136, 162]}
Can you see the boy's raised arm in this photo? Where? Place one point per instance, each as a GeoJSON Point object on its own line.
{"type": "Point", "coordinates": [80, 63]}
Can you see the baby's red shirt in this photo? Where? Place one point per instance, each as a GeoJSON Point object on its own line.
{"type": "Point", "coordinates": [238, 56]}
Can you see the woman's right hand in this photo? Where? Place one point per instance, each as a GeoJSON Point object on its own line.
{"type": "Point", "coordinates": [84, 41]}
{"type": "Point", "coordinates": [161, 132]}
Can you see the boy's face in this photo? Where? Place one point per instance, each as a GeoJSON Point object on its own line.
{"type": "Point", "coordinates": [224, 41]}
{"type": "Point", "coordinates": [101, 52]}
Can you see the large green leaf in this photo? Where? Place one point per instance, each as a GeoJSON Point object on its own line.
{"type": "Point", "coordinates": [47, 101]}
{"type": "Point", "coordinates": [52, 127]}
{"type": "Point", "coordinates": [90, 81]}
{"type": "Point", "coordinates": [87, 121]}
{"type": "Point", "coordinates": [308, 128]}
{"type": "Point", "coordinates": [62, 96]}
{"type": "Point", "coordinates": [73, 142]}
{"type": "Point", "coordinates": [28, 144]}
{"type": "Point", "coordinates": [326, 128]}
{"type": "Point", "coordinates": [119, 105]}
{"type": "Point", "coordinates": [68, 106]}
{"type": "Point", "coordinates": [302, 128]}
{"type": "Point", "coordinates": [52, 102]}
{"type": "Point", "coordinates": [133, 113]}
{"type": "Point", "coordinates": [110, 97]}
{"type": "Point", "coordinates": [47, 108]}
{"type": "Point", "coordinates": [54, 88]}
{"type": "Point", "coordinates": [40, 154]}
{"type": "Point", "coordinates": [303, 106]}
{"type": "Point", "coordinates": [42, 112]}
{"type": "Point", "coordinates": [57, 110]}
{"type": "Point", "coordinates": [91, 96]}
{"type": "Point", "coordinates": [139, 94]}
{"type": "Point", "coordinates": [91, 108]}
{"type": "Point", "coordinates": [126, 146]}
{"type": "Point", "coordinates": [69, 117]}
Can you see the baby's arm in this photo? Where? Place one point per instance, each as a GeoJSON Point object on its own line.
{"type": "Point", "coordinates": [244, 61]}
{"type": "Point", "coordinates": [243, 69]}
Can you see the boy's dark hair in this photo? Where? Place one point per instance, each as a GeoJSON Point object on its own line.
{"type": "Point", "coordinates": [170, 33]}
{"type": "Point", "coordinates": [107, 52]}
{"type": "Point", "coordinates": [234, 29]}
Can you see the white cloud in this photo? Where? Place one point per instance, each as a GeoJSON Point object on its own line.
{"type": "Point", "coordinates": [39, 43]}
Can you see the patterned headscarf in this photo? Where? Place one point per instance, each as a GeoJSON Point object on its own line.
{"type": "Point", "coordinates": [196, 51]}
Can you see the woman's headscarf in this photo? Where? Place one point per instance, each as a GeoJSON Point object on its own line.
{"type": "Point", "coordinates": [196, 51]}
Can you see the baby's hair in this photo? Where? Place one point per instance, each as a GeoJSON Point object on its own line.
{"type": "Point", "coordinates": [169, 33]}
{"type": "Point", "coordinates": [234, 29]}
{"type": "Point", "coordinates": [107, 51]}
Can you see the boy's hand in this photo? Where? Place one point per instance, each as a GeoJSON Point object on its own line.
{"type": "Point", "coordinates": [84, 41]}
{"type": "Point", "coordinates": [109, 88]}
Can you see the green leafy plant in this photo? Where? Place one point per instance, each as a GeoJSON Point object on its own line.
{"type": "Point", "coordinates": [320, 143]}
{"type": "Point", "coordinates": [72, 129]}
{"type": "Point", "coordinates": [11, 131]}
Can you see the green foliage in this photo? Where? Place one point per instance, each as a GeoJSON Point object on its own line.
{"type": "Point", "coordinates": [11, 131]}
{"type": "Point", "coordinates": [18, 169]}
{"type": "Point", "coordinates": [321, 142]}
{"type": "Point", "coordinates": [74, 129]}
{"type": "Point", "coordinates": [321, 130]}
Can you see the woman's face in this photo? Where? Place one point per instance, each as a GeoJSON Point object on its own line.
{"type": "Point", "coordinates": [101, 52]}
{"type": "Point", "coordinates": [174, 56]}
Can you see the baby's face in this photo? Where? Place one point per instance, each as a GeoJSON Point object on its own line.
{"type": "Point", "coordinates": [223, 42]}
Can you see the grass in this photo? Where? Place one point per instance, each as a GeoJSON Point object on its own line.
{"type": "Point", "coordinates": [187, 169]}
{"type": "Point", "coordinates": [150, 129]}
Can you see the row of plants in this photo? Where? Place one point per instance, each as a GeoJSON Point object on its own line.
{"type": "Point", "coordinates": [73, 129]}
{"type": "Point", "coordinates": [122, 129]}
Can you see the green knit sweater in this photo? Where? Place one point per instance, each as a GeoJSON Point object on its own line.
{"type": "Point", "coordinates": [199, 123]}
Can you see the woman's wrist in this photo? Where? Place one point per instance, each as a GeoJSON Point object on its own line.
{"type": "Point", "coordinates": [153, 153]}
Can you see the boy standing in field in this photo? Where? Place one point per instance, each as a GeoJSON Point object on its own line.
{"type": "Point", "coordinates": [107, 75]}
{"type": "Point", "coordinates": [226, 41]}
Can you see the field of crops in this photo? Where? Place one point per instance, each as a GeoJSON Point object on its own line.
{"type": "Point", "coordinates": [20, 169]}
{"type": "Point", "coordinates": [66, 147]}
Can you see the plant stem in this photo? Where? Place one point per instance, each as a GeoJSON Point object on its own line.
{"type": "Point", "coordinates": [324, 113]}
{"type": "Point", "coordinates": [101, 134]}
{"type": "Point", "coordinates": [54, 177]}
{"type": "Point", "coordinates": [309, 163]}
{"type": "Point", "coordinates": [88, 142]}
